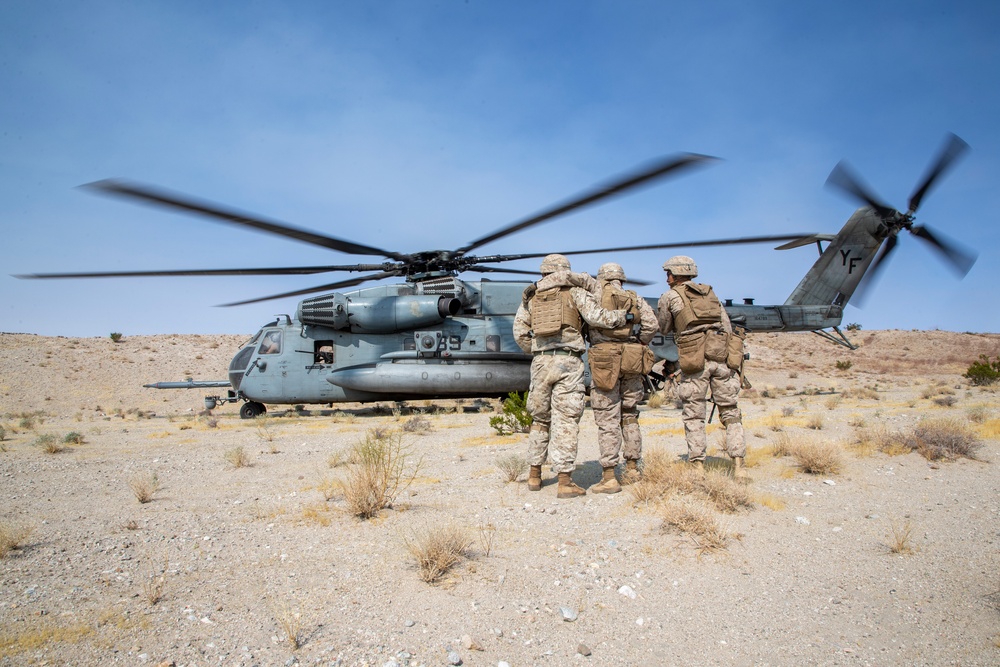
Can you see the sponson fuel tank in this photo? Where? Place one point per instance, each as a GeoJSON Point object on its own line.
{"type": "Point", "coordinates": [436, 377]}
{"type": "Point", "coordinates": [377, 314]}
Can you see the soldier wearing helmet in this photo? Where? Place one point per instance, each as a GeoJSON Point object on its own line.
{"type": "Point", "coordinates": [710, 356]}
{"type": "Point", "coordinates": [548, 325]}
{"type": "Point", "coordinates": [619, 357]}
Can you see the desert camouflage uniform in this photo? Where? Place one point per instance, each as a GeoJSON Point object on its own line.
{"type": "Point", "coordinates": [692, 390]}
{"type": "Point", "coordinates": [555, 398]}
{"type": "Point", "coordinates": [616, 410]}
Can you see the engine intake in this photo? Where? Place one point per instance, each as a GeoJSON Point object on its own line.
{"type": "Point", "coordinates": [384, 314]}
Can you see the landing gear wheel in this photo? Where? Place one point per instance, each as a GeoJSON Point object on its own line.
{"type": "Point", "coordinates": [252, 409]}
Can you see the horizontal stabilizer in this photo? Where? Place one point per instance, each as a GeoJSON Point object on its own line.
{"type": "Point", "coordinates": [806, 240]}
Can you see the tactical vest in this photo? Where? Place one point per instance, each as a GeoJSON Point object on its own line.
{"type": "Point", "coordinates": [701, 306]}
{"type": "Point", "coordinates": [553, 310]}
{"type": "Point", "coordinates": [616, 298]}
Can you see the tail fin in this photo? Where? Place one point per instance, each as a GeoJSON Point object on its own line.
{"type": "Point", "coordinates": [835, 276]}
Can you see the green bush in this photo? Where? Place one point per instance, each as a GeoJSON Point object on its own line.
{"type": "Point", "coordinates": [984, 371]}
{"type": "Point", "coordinates": [514, 417]}
{"type": "Point", "coordinates": [854, 326]}
{"type": "Point", "coordinates": [74, 438]}
{"type": "Point", "coordinates": [843, 365]}
{"type": "Point", "coordinates": [116, 336]}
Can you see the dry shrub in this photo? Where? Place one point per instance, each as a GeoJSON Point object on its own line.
{"type": "Point", "coordinates": [943, 439]}
{"type": "Point", "coordinates": [945, 401]}
{"type": "Point", "coordinates": [417, 424]}
{"type": "Point", "coordinates": [818, 458]}
{"type": "Point", "coordinates": [861, 393]}
{"type": "Point", "coordinates": [437, 549]}
{"type": "Point", "coordinates": [787, 411]}
{"type": "Point", "coordinates": [815, 422]}
{"type": "Point", "coordinates": [696, 522]}
{"type": "Point", "coordinates": [328, 487]}
{"type": "Point", "coordinates": [264, 430]}
{"type": "Point", "coordinates": [978, 414]}
{"type": "Point", "coordinates": [49, 444]}
{"type": "Point", "coordinates": [487, 535]}
{"type": "Point", "coordinates": [511, 466]}
{"type": "Point", "coordinates": [382, 468]}
{"type": "Point", "coordinates": [12, 536]}
{"type": "Point", "coordinates": [774, 423]}
{"type": "Point", "coordinates": [878, 438]}
{"type": "Point", "coordinates": [238, 457]}
{"type": "Point", "coordinates": [834, 401]}
{"type": "Point", "coordinates": [74, 438]}
{"type": "Point", "coordinates": [144, 486]}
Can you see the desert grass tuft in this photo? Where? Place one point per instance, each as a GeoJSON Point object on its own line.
{"type": "Point", "coordinates": [238, 457]}
{"type": "Point", "coordinates": [74, 438]}
{"type": "Point", "coordinates": [12, 536]}
{"type": "Point", "coordinates": [978, 414]}
{"type": "Point", "coordinates": [154, 585]}
{"type": "Point", "coordinates": [663, 478]}
{"type": "Point", "coordinates": [487, 536]}
{"type": "Point", "coordinates": [815, 422]}
{"type": "Point", "coordinates": [901, 539]}
{"type": "Point", "coordinates": [437, 549]}
{"type": "Point", "coordinates": [818, 458]}
{"type": "Point", "coordinates": [781, 445]}
{"type": "Point", "coordinates": [511, 466]}
{"type": "Point", "coordinates": [290, 622]}
{"type": "Point", "coordinates": [144, 487]}
{"type": "Point", "coordinates": [695, 522]}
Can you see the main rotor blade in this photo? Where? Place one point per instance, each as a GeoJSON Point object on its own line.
{"type": "Point", "coordinates": [288, 271]}
{"type": "Point", "coordinates": [164, 198]}
{"type": "Point", "coordinates": [842, 177]}
{"type": "Point", "coordinates": [655, 246]}
{"type": "Point", "coordinates": [871, 276]}
{"type": "Point", "coordinates": [953, 148]}
{"type": "Point", "coordinates": [497, 269]}
{"type": "Point", "coordinates": [658, 169]}
{"type": "Point", "coordinates": [959, 259]}
{"type": "Point", "coordinates": [321, 288]}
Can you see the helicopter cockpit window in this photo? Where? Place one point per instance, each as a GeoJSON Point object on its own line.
{"type": "Point", "coordinates": [271, 343]}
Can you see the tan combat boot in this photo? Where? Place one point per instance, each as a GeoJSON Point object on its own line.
{"type": "Point", "coordinates": [608, 483]}
{"type": "Point", "coordinates": [567, 489]}
{"type": "Point", "coordinates": [631, 474]}
{"type": "Point", "coordinates": [535, 478]}
{"type": "Point", "coordinates": [739, 471]}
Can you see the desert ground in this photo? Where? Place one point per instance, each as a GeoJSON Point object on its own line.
{"type": "Point", "coordinates": [886, 558]}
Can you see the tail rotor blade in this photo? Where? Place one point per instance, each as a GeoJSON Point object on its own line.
{"type": "Point", "coordinates": [953, 149]}
{"type": "Point", "coordinates": [843, 178]}
{"type": "Point", "coordinates": [960, 260]}
{"type": "Point", "coordinates": [871, 276]}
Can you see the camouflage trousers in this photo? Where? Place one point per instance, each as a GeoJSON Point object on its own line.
{"type": "Point", "coordinates": [555, 401]}
{"type": "Point", "coordinates": [693, 391]}
{"type": "Point", "coordinates": [616, 412]}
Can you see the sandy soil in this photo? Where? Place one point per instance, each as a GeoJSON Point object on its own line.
{"type": "Point", "coordinates": [238, 554]}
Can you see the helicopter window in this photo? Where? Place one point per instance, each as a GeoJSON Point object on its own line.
{"type": "Point", "coordinates": [454, 342]}
{"type": "Point", "coordinates": [493, 343]}
{"type": "Point", "coordinates": [271, 343]}
{"type": "Point", "coordinates": [323, 352]}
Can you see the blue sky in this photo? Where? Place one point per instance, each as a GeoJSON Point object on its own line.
{"type": "Point", "coordinates": [417, 125]}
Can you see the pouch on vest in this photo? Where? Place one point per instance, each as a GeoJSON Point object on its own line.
{"type": "Point", "coordinates": [637, 359]}
{"type": "Point", "coordinates": [691, 351]}
{"type": "Point", "coordinates": [547, 312]}
{"type": "Point", "coordinates": [605, 366]}
{"type": "Point", "coordinates": [717, 345]}
{"type": "Point", "coordinates": [735, 357]}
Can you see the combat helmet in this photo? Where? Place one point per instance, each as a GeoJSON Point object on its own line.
{"type": "Point", "coordinates": [681, 266]}
{"type": "Point", "coordinates": [553, 263]}
{"type": "Point", "coordinates": [611, 271]}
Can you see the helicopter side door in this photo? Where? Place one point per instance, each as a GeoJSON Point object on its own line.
{"type": "Point", "coordinates": [264, 380]}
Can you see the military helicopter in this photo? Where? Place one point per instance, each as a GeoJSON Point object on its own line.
{"type": "Point", "coordinates": [439, 336]}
